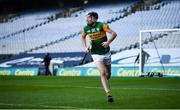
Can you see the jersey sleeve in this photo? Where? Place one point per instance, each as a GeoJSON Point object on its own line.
{"type": "Point", "coordinates": [106, 28]}
{"type": "Point", "coordinates": [83, 32]}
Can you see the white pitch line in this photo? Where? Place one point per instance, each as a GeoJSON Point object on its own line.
{"type": "Point", "coordinates": [161, 89]}
{"type": "Point", "coordinates": [44, 106]}
{"type": "Point", "coordinates": [92, 87]}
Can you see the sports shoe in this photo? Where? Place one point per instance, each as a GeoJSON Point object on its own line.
{"type": "Point", "coordinates": [110, 99]}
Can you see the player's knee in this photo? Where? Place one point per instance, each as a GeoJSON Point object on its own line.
{"type": "Point", "coordinates": [103, 73]}
{"type": "Point", "coordinates": [108, 77]}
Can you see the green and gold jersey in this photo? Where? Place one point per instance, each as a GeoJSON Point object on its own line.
{"type": "Point", "coordinates": [97, 35]}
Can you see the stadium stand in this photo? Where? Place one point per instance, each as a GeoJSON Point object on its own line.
{"type": "Point", "coordinates": [38, 19]}
{"type": "Point", "coordinates": [24, 23]}
{"type": "Point", "coordinates": [128, 37]}
{"type": "Point", "coordinates": [50, 30]}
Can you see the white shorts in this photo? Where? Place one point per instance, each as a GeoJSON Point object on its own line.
{"type": "Point", "coordinates": [106, 58]}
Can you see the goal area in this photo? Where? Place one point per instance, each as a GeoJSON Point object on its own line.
{"type": "Point", "coordinates": [159, 52]}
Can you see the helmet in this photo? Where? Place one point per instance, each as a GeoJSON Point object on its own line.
{"type": "Point", "coordinates": [93, 14]}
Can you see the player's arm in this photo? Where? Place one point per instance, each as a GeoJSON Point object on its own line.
{"type": "Point", "coordinates": [113, 35]}
{"type": "Point", "coordinates": [83, 40]}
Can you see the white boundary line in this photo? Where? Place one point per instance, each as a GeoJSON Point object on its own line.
{"type": "Point", "coordinates": [158, 89]}
{"type": "Point", "coordinates": [91, 87]}
{"type": "Point", "coordinates": [38, 106]}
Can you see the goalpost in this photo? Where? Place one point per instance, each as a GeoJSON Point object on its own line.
{"type": "Point", "coordinates": [159, 52]}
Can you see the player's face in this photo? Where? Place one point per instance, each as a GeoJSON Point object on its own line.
{"type": "Point", "coordinates": [90, 20]}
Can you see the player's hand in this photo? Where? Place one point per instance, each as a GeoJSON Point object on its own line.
{"type": "Point", "coordinates": [105, 44]}
{"type": "Point", "coordinates": [86, 50]}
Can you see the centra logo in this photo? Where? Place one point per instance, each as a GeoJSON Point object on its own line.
{"type": "Point", "coordinates": [92, 72]}
{"type": "Point", "coordinates": [5, 72]}
{"type": "Point", "coordinates": [24, 73]}
{"type": "Point", "coordinates": [64, 72]}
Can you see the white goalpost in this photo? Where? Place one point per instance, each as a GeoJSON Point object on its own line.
{"type": "Point", "coordinates": [159, 52]}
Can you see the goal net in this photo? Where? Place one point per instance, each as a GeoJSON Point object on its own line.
{"type": "Point", "coordinates": [159, 52]}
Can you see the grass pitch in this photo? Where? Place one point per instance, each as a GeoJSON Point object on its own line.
{"type": "Point", "coordinates": [87, 93]}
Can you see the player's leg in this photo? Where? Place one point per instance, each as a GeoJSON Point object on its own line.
{"type": "Point", "coordinates": [107, 62]}
{"type": "Point", "coordinates": [104, 75]}
{"type": "Point", "coordinates": [142, 68]}
{"type": "Point", "coordinates": [46, 71]}
{"type": "Point", "coordinates": [49, 73]}
{"type": "Point", "coordinates": [108, 66]}
{"type": "Point", "coordinates": [109, 71]}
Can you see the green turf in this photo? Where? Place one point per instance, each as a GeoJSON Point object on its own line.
{"type": "Point", "coordinates": [87, 93]}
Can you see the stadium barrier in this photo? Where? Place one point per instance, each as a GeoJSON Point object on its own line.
{"type": "Point", "coordinates": [118, 71]}
{"type": "Point", "coordinates": [171, 71]}
{"type": "Point", "coordinates": [29, 71]}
